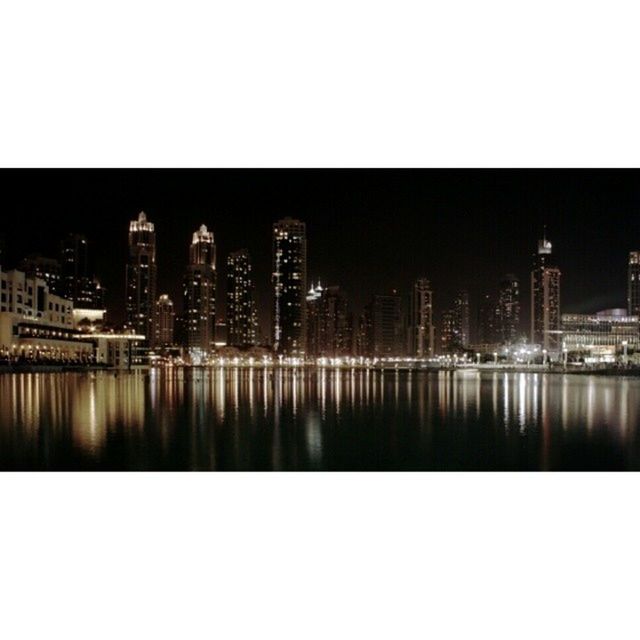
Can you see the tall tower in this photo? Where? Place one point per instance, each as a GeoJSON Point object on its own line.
{"type": "Point", "coordinates": [241, 310]}
{"type": "Point", "coordinates": [633, 284]}
{"type": "Point", "coordinates": [508, 314]}
{"type": "Point", "coordinates": [461, 309]}
{"type": "Point", "coordinates": [165, 320]}
{"type": "Point", "coordinates": [386, 326]}
{"type": "Point", "coordinates": [200, 291]}
{"type": "Point", "coordinates": [289, 286]}
{"type": "Point", "coordinates": [141, 277]}
{"type": "Point", "coordinates": [545, 299]}
{"type": "Point", "coordinates": [421, 331]}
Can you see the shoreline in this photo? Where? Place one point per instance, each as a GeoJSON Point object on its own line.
{"type": "Point", "coordinates": [607, 372]}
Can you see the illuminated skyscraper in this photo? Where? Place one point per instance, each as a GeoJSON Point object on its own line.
{"type": "Point", "coordinates": [421, 330]}
{"type": "Point", "coordinates": [141, 278]}
{"type": "Point", "coordinates": [289, 286]}
{"type": "Point", "coordinates": [200, 291]}
{"type": "Point", "coordinates": [461, 310]}
{"type": "Point", "coordinates": [545, 299]}
{"type": "Point", "coordinates": [633, 284]}
{"type": "Point", "coordinates": [508, 313]}
{"type": "Point", "coordinates": [241, 310]}
{"type": "Point", "coordinates": [488, 331]}
{"type": "Point", "coordinates": [449, 333]}
{"type": "Point", "coordinates": [329, 324]}
{"type": "Point", "coordinates": [165, 320]}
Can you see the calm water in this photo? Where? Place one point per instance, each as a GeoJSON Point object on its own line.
{"type": "Point", "coordinates": [331, 420]}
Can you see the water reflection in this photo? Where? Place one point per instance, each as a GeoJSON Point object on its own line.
{"type": "Point", "coordinates": [319, 419]}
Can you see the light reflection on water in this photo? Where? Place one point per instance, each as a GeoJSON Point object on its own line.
{"type": "Point", "coordinates": [322, 419]}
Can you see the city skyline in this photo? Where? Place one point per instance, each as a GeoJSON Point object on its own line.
{"type": "Point", "coordinates": [593, 277]}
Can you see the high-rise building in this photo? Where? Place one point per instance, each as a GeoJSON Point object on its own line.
{"type": "Point", "coordinates": [47, 269]}
{"type": "Point", "coordinates": [633, 284]}
{"type": "Point", "coordinates": [462, 325]}
{"type": "Point", "coordinates": [329, 330]}
{"type": "Point", "coordinates": [487, 331]}
{"type": "Point", "coordinates": [241, 309]}
{"type": "Point", "coordinates": [386, 326]}
{"type": "Point", "coordinates": [545, 299]}
{"type": "Point", "coordinates": [165, 321]}
{"type": "Point", "coordinates": [200, 291]}
{"type": "Point", "coordinates": [508, 312]}
{"type": "Point", "coordinates": [141, 278]}
{"type": "Point", "coordinates": [289, 286]}
{"type": "Point", "coordinates": [420, 325]}
{"type": "Point", "coordinates": [449, 332]}
{"type": "Point", "coordinates": [77, 282]}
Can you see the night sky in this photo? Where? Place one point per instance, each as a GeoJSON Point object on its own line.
{"type": "Point", "coordinates": [368, 230]}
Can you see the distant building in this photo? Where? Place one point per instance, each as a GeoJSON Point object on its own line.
{"type": "Point", "coordinates": [508, 311]}
{"type": "Point", "coordinates": [487, 325]}
{"type": "Point", "coordinates": [386, 326]}
{"type": "Point", "coordinates": [141, 278]}
{"type": "Point", "coordinates": [200, 291]}
{"type": "Point", "coordinates": [37, 324]}
{"type": "Point", "coordinates": [421, 334]}
{"type": "Point", "coordinates": [289, 286]}
{"type": "Point", "coordinates": [545, 299]}
{"type": "Point", "coordinates": [165, 321]}
{"type": "Point", "coordinates": [47, 269]}
{"type": "Point", "coordinates": [77, 282]}
{"type": "Point", "coordinates": [633, 284]}
{"type": "Point", "coordinates": [461, 319]}
{"type": "Point", "coordinates": [600, 336]}
{"type": "Point", "coordinates": [329, 323]}
{"type": "Point", "coordinates": [241, 309]}
{"type": "Point", "coordinates": [449, 333]}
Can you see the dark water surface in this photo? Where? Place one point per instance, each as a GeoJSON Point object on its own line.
{"type": "Point", "coordinates": [241, 419]}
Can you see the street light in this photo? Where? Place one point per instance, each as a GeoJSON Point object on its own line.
{"type": "Point", "coordinates": [544, 357]}
{"type": "Point", "coordinates": [624, 347]}
{"type": "Point", "coordinates": [477, 358]}
{"type": "Point", "coordinates": [495, 358]}
{"type": "Point", "coordinates": [565, 353]}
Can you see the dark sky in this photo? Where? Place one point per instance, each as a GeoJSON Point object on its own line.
{"type": "Point", "coordinates": [368, 230]}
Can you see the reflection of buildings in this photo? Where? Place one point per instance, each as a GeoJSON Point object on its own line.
{"type": "Point", "coordinates": [508, 311]}
{"type": "Point", "coordinates": [241, 309]}
{"type": "Point", "coordinates": [35, 323]}
{"type": "Point", "coordinates": [289, 286]}
{"type": "Point", "coordinates": [329, 330]}
{"type": "Point", "coordinates": [420, 325]}
{"type": "Point", "coordinates": [633, 284]}
{"type": "Point", "coordinates": [545, 299]}
{"type": "Point", "coordinates": [600, 336]}
{"type": "Point", "coordinates": [141, 277]}
{"type": "Point", "coordinates": [165, 320]}
{"type": "Point", "coordinates": [200, 291]}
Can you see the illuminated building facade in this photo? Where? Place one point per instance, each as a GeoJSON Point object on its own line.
{"type": "Point", "coordinates": [36, 324]}
{"type": "Point", "coordinates": [241, 309]}
{"type": "Point", "coordinates": [141, 278]}
{"type": "Point", "coordinates": [47, 269]}
{"type": "Point", "coordinates": [165, 321]}
{"type": "Point", "coordinates": [601, 336]}
{"type": "Point", "coordinates": [329, 323]}
{"type": "Point", "coordinates": [200, 291]}
{"type": "Point", "coordinates": [420, 326]}
{"type": "Point", "coordinates": [289, 287]}
{"type": "Point", "coordinates": [449, 332]}
{"type": "Point", "coordinates": [633, 284]}
{"type": "Point", "coordinates": [545, 300]}
{"type": "Point", "coordinates": [462, 324]}
{"type": "Point", "coordinates": [508, 311]}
